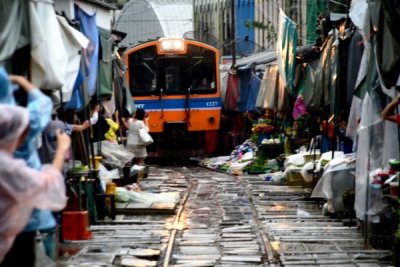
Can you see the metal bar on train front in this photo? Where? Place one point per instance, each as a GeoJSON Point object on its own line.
{"type": "Point", "coordinates": [162, 102]}
{"type": "Point", "coordinates": [188, 110]}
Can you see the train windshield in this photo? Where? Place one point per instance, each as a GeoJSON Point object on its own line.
{"type": "Point", "coordinates": [174, 74]}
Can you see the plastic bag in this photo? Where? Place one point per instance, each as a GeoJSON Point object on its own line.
{"type": "Point", "coordinates": [41, 258]}
{"type": "Point", "coordinates": [145, 137]}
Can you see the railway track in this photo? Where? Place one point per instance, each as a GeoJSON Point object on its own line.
{"type": "Point", "coordinates": [225, 220]}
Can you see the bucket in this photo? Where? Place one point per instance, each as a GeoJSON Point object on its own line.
{"type": "Point", "coordinates": [75, 225]}
{"type": "Point", "coordinates": [97, 160]}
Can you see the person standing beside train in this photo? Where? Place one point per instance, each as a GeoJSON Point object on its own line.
{"type": "Point", "coordinates": [139, 121]}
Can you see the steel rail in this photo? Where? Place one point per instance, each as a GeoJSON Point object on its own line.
{"type": "Point", "coordinates": [171, 240]}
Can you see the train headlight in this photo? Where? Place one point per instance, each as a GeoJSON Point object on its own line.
{"type": "Point", "coordinates": [172, 44]}
{"type": "Point", "coordinates": [177, 45]}
{"type": "Point", "coordinates": [166, 45]}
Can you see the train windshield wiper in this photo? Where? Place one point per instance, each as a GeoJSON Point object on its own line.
{"type": "Point", "coordinates": [187, 106]}
{"type": "Point", "coordinates": [162, 103]}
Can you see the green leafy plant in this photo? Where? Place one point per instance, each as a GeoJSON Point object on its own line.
{"type": "Point", "coordinates": [259, 165]}
{"type": "Point", "coordinates": [265, 26]}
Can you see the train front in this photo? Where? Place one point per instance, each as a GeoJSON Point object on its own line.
{"type": "Point", "coordinates": [177, 82]}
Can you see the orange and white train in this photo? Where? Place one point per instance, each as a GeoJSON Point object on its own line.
{"type": "Point", "coordinates": [177, 82]}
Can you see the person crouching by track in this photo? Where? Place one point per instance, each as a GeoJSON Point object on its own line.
{"type": "Point", "coordinates": [23, 188]}
{"type": "Point", "coordinates": [139, 121]}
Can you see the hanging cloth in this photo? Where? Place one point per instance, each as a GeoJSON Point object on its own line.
{"type": "Point", "coordinates": [316, 94]}
{"type": "Point", "coordinates": [14, 25]}
{"type": "Point", "coordinates": [356, 49]}
{"type": "Point", "coordinates": [74, 41]}
{"type": "Point", "coordinates": [334, 99]}
{"type": "Point", "coordinates": [232, 92]}
{"type": "Point", "coordinates": [77, 101]}
{"type": "Point", "coordinates": [270, 100]}
{"type": "Point", "coordinates": [286, 49]}
{"type": "Point", "coordinates": [255, 82]}
{"type": "Point", "coordinates": [122, 94]}
{"type": "Point", "coordinates": [91, 53]}
{"type": "Point", "coordinates": [261, 91]}
{"type": "Point", "coordinates": [224, 84]}
{"type": "Point", "coordinates": [369, 153]}
{"type": "Point", "coordinates": [244, 88]}
{"type": "Point", "coordinates": [105, 64]}
{"type": "Point", "coordinates": [49, 55]}
{"type": "Point", "coordinates": [385, 17]}
{"type": "Point", "coordinates": [357, 13]}
{"type": "Point", "coordinates": [283, 95]}
{"type": "Point", "coordinates": [312, 96]}
{"type": "Point", "coordinates": [314, 9]}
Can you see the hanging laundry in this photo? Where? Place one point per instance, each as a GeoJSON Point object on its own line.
{"type": "Point", "coordinates": [91, 53]}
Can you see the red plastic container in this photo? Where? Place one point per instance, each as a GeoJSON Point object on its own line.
{"type": "Point", "coordinates": [75, 225]}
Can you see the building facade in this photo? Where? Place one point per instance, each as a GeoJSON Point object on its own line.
{"type": "Point", "coordinates": [256, 22]}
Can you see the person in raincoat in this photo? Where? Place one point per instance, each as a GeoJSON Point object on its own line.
{"type": "Point", "coordinates": [23, 188]}
{"type": "Point", "coordinates": [40, 108]}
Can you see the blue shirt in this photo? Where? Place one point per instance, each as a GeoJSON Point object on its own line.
{"type": "Point", "coordinates": [39, 107]}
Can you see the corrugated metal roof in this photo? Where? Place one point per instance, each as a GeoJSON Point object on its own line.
{"type": "Point", "coordinates": [257, 58]}
{"type": "Point", "coordinates": [151, 19]}
{"type": "Point", "coordinates": [261, 58]}
{"type": "Point", "coordinates": [176, 17]}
